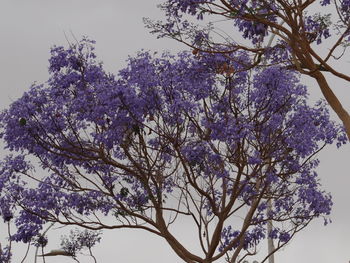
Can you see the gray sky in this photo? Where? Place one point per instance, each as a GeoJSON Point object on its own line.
{"type": "Point", "coordinates": [28, 29]}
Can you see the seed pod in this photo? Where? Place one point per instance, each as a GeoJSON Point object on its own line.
{"type": "Point", "coordinates": [195, 51]}
{"type": "Point", "coordinates": [22, 121]}
{"type": "Point", "coordinates": [124, 192]}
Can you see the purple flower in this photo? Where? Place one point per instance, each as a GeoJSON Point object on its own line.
{"type": "Point", "coordinates": [161, 129]}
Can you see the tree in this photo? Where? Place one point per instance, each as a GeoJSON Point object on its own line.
{"type": "Point", "coordinates": [299, 26]}
{"type": "Point", "coordinates": [169, 137]}
{"type": "Point", "coordinates": [77, 241]}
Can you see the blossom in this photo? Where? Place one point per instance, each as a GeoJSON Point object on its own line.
{"type": "Point", "coordinates": [162, 128]}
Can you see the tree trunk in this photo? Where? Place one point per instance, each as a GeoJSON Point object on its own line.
{"type": "Point", "coordinates": [270, 246]}
{"type": "Point", "coordinates": [333, 100]}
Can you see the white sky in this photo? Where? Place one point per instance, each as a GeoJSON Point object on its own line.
{"type": "Point", "coordinates": [28, 29]}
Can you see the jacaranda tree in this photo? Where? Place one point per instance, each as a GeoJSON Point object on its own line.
{"type": "Point", "coordinates": [168, 138]}
{"type": "Point", "coordinates": [311, 36]}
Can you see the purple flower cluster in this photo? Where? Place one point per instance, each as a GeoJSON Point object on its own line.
{"type": "Point", "coordinates": [175, 7]}
{"type": "Point", "coordinates": [317, 27]}
{"type": "Point", "coordinates": [120, 144]}
{"type": "Point", "coordinates": [249, 239]}
{"type": "Point", "coordinates": [5, 255]}
{"type": "Point", "coordinates": [344, 11]}
{"type": "Point", "coordinates": [254, 19]}
{"type": "Point", "coordinates": [241, 12]}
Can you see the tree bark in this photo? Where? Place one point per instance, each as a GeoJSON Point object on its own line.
{"type": "Point", "coordinates": [332, 100]}
{"type": "Point", "coordinates": [270, 246]}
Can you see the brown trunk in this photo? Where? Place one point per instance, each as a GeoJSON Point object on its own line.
{"type": "Point", "coordinates": [181, 251]}
{"type": "Point", "coordinates": [333, 101]}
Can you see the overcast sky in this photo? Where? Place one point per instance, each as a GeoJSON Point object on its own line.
{"type": "Point", "coordinates": [28, 29]}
